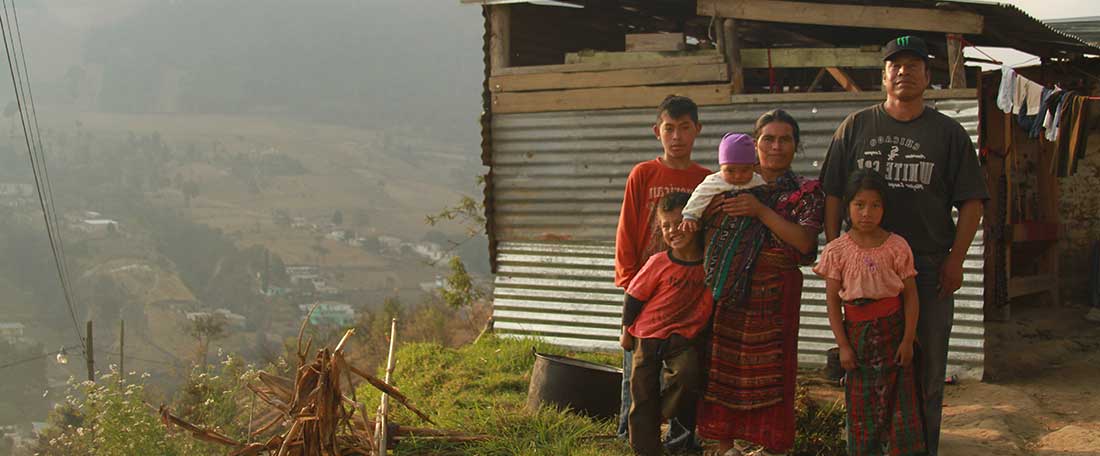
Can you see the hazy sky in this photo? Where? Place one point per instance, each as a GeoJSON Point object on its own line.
{"type": "Point", "coordinates": [1040, 9]}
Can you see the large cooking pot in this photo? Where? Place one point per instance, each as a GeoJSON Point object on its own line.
{"type": "Point", "coordinates": [591, 389]}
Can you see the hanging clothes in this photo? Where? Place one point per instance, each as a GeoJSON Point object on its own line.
{"type": "Point", "coordinates": [1053, 103]}
{"type": "Point", "coordinates": [1019, 94]}
{"type": "Point", "coordinates": [1028, 97]}
{"type": "Point", "coordinates": [1007, 89]}
{"type": "Point", "coordinates": [1072, 134]}
{"type": "Point", "coordinates": [1037, 121]}
{"type": "Point", "coordinates": [1056, 123]}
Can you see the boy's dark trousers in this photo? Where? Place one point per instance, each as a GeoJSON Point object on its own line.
{"type": "Point", "coordinates": [673, 362]}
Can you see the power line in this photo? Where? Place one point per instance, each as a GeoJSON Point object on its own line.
{"type": "Point", "coordinates": [33, 111]}
{"type": "Point", "coordinates": [41, 149]}
{"type": "Point", "coordinates": [73, 347]}
{"type": "Point", "coordinates": [38, 167]}
{"type": "Point", "coordinates": [36, 358]}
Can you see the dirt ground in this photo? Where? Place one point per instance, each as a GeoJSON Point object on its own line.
{"type": "Point", "coordinates": [1041, 395]}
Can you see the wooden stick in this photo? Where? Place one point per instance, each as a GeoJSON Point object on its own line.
{"type": "Point", "coordinates": [343, 341]}
{"type": "Point", "coordinates": [955, 61]}
{"type": "Point", "coordinates": [383, 409]}
{"type": "Point", "coordinates": [202, 434]}
{"type": "Point", "coordinates": [302, 332]}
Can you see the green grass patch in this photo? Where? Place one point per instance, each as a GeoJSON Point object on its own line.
{"type": "Point", "coordinates": [482, 389]}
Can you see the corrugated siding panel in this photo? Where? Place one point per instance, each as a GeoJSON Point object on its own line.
{"type": "Point", "coordinates": [558, 182]}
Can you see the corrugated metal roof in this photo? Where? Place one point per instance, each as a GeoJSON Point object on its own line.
{"type": "Point", "coordinates": [558, 182]}
{"type": "Point", "coordinates": [1085, 28]}
{"type": "Point", "coordinates": [1008, 25]}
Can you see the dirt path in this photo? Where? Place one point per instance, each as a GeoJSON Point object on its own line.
{"type": "Point", "coordinates": [1042, 394]}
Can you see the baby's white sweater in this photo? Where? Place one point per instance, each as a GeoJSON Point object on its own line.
{"type": "Point", "coordinates": [713, 185]}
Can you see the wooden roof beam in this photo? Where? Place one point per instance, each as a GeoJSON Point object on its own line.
{"type": "Point", "coordinates": [840, 15]}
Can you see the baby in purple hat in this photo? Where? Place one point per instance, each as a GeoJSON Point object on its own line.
{"type": "Point", "coordinates": [736, 159]}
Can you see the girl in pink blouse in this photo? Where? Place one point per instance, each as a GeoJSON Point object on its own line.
{"type": "Point", "coordinates": [869, 273]}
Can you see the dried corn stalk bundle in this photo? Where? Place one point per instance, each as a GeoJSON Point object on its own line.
{"type": "Point", "coordinates": [312, 414]}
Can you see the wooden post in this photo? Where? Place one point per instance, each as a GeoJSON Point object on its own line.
{"type": "Point", "coordinates": [380, 432]}
{"type": "Point", "coordinates": [732, 48]}
{"type": "Point", "coordinates": [955, 61]}
{"type": "Point", "coordinates": [500, 29]}
{"type": "Point", "coordinates": [89, 354]}
{"type": "Point", "coordinates": [121, 350]}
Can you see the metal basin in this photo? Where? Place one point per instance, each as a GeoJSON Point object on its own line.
{"type": "Point", "coordinates": [588, 388]}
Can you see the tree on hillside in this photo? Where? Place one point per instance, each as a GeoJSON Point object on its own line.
{"type": "Point", "coordinates": [338, 217]}
{"type": "Point", "coordinates": [459, 289]}
{"type": "Point", "coordinates": [205, 329]}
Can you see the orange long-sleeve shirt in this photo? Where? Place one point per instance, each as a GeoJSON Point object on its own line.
{"type": "Point", "coordinates": [637, 236]}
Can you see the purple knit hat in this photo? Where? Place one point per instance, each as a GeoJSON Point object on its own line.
{"type": "Point", "coordinates": [738, 149]}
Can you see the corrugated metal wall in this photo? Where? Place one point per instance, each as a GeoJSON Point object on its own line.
{"type": "Point", "coordinates": [558, 182]}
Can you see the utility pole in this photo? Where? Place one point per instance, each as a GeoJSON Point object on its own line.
{"type": "Point", "coordinates": [89, 354]}
{"type": "Point", "coordinates": [121, 351]}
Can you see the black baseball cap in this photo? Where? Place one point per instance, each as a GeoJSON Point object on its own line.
{"type": "Point", "coordinates": [907, 43]}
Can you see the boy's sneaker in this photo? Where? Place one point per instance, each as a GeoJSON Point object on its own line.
{"type": "Point", "coordinates": [1093, 315]}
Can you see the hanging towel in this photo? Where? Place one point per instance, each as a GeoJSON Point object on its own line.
{"type": "Point", "coordinates": [1007, 89]}
{"type": "Point", "coordinates": [1019, 94]}
{"type": "Point", "coordinates": [1034, 97]}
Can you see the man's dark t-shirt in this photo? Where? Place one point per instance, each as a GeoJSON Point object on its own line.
{"type": "Point", "coordinates": [929, 163]}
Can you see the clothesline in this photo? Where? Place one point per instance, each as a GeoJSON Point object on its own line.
{"type": "Point", "coordinates": [1059, 116]}
{"type": "Point", "coordinates": [966, 43]}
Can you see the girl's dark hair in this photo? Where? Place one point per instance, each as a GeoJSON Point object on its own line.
{"type": "Point", "coordinates": [778, 115]}
{"type": "Point", "coordinates": [863, 179]}
{"type": "Point", "coordinates": [672, 201]}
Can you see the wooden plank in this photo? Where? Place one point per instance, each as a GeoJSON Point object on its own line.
{"type": "Point", "coordinates": [713, 72]}
{"type": "Point", "coordinates": [731, 47]}
{"type": "Point", "coordinates": [500, 24]}
{"type": "Point", "coordinates": [654, 42]}
{"type": "Point", "coordinates": [607, 66]}
{"type": "Point", "coordinates": [610, 98]}
{"type": "Point", "coordinates": [572, 58]}
{"type": "Point", "coordinates": [843, 79]}
{"type": "Point", "coordinates": [880, 17]}
{"type": "Point", "coordinates": [942, 94]}
{"type": "Point", "coordinates": [812, 58]}
{"type": "Point", "coordinates": [955, 61]}
{"type": "Point", "coordinates": [1025, 285]}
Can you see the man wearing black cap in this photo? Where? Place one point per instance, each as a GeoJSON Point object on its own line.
{"type": "Point", "coordinates": [931, 166]}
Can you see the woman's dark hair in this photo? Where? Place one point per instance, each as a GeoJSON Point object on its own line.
{"type": "Point", "coordinates": [672, 201]}
{"type": "Point", "coordinates": [778, 115]}
{"type": "Point", "coordinates": [863, 179]}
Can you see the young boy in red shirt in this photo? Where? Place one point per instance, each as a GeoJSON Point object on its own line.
{"type": "Point", "coordinates": [666, 308]}
{"type": "Point", "coordinates": [637, 237]}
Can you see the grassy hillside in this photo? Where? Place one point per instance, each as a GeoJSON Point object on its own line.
{"type": "Point", "coordinates": [481, 388]}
